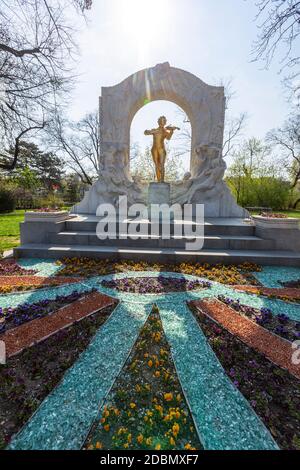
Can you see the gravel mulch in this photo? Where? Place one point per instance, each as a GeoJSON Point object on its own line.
{"type": "Point", "coordinates": [274, 348]}
{"type": "Point", "coordinates": [39, 329]}
{"type": "Point", "coordinates": [286, 293]}
{"type": "Point", "coordinates": [36, 281]}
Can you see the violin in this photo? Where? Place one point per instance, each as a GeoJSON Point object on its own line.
{"type": "Point", "coordinates": [172, 128]}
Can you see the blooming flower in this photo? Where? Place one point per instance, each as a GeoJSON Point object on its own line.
{"type": "Point", "coordinates": [175, 429]}
{"type": "Point", "coordinates": [168, 396]}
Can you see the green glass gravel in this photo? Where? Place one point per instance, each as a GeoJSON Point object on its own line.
{"type": "Point", "coordinates": [271, 275]}
{"type": "Point", "coordinates": [31, 297]}
{"type": "Point", "coordinates": [63, 420]}
{"type": "Point", "coordinates": [224, 419]}
{"type": "Point", "coordinates": [43, 267]}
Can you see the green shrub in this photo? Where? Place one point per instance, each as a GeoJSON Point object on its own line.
{"type": "Point", "coordinates": [52, 201]}
{"type": "Point", "coordinates": [25, 199]}
{"type": "Point", "coordinates": [261, 192]}
{"type": "Point", "coordinates": [7, 201]}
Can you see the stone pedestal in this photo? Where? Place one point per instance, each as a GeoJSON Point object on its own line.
{"type": "Point", "coordinates": [159, 193]}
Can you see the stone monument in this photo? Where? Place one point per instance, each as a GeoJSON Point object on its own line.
{"type": "Point", "coordinates": [205, 107]}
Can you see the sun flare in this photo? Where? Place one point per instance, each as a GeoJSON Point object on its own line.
{"type": "Point", "coordinates": [145, 21]}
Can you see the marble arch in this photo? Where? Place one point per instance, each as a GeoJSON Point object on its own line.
{"type": "Point", "coordinates": [205, 106]}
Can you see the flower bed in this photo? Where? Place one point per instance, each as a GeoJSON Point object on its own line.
{"type": "Point", "coordinates": [14, 317]}
{"type": "Point", "coordinates": [148, 285]}
{"type": "Point", "coordinates": [288, 294]}
{"type": "Point", "coordinates": [291, 284]}
{"type": "Point", "coordinates": [29, 377]}
{"type": "Point", "coordinates": [48, 210]}
{"type": "Point", "coordinates": [272, 392]}
{"type": "Point", "coordinates": [281, 324]}
{"type": "Point", "coordinates": [231, 275]}
{"type": "Point", "coordinates": [10, 267]}
{"type": "Point", "coordinates": [273, 215]}
{"type": "Point", "coordinates": [276, 221]}
{"type": "Point", "coordinates": [18, 288]}
{"type": "Point", "coordinates": [146, 409]}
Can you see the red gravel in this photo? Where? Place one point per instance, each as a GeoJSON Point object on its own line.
{"type": "Point", "coordinates": [287, 292]}
{"type": "Point", "coordinates": [36, 281]}
{"type": "Point", "coordinates": [37, 330]}
{"type": "Point", "coordinates": [274, 348]}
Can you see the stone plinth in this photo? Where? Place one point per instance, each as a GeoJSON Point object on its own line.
{"type": "Point", "coordinates": [276, 223]}
{"type": "Point", "coordinates": [57, 216]}
{"type": "Point", "coordinates": [159, 193]}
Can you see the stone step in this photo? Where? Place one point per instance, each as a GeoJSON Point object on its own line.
{"type": "Point", "coordinates": [210, 242]}
{"type": "Point", "coordinates": [268, 257]}
{"type": "Point", "coordinates": [211, 226]}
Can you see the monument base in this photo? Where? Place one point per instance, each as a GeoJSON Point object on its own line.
{"type": "Point", "coordinates": [159, 193]}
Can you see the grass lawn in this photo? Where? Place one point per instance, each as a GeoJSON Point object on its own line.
{"type": "Point", "coordinates": [295, 214]}
{"type": "Point", "coordinates": [10, 229]}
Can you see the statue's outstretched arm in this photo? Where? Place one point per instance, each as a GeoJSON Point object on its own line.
{"type": "Point", "coordinates": [151, 132]}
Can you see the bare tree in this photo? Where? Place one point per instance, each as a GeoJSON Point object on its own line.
{"type": "Point", "coordinates": [78, 144]}
{"type": "Point", "coordinates": [234, 126]}
{"type": "Point", "coordinates": [233, 129]}
{"type": "Point", "coordinates": [89, 140]}
{"type": "Point", "coordinates": [279, 26]}
{"type": "Point", "coordinates": [37, 46]}
{"type": "Point", "coordinates": [287, 140]}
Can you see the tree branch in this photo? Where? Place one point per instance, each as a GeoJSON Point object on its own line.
{"type": "Point", "coordinates": [12, 165]}
{"type": "Point", "coordinates": [19, 53]}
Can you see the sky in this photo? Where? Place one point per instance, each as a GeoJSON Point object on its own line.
{"type": "Point", "coordinates": [212, 39]}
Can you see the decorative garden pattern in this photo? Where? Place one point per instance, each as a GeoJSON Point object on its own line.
{"type": "Point", "coordinates": [189, 339]}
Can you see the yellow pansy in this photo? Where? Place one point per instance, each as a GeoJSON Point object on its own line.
{"type": "Point", "coordinates": [168, 396]}
{"type": "Point", "coordinates": [175, 429]}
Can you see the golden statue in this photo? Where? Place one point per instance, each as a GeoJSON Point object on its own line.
{"type": "Point", "coordinates": [158, 150]}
